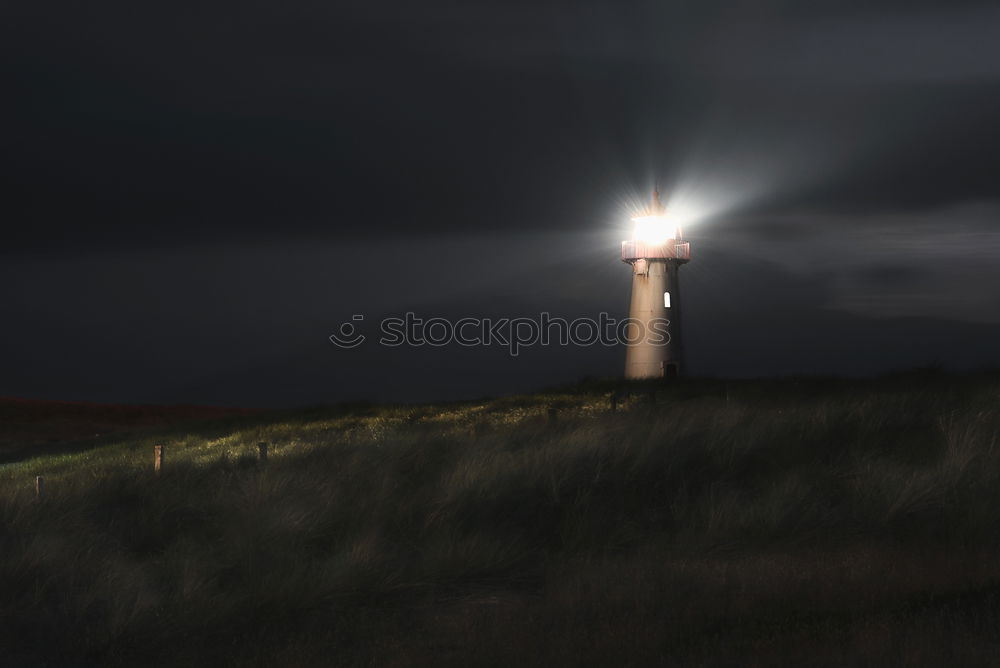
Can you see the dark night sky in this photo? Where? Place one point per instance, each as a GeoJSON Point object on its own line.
{"type": "Point", "coordinates": [195, 195]}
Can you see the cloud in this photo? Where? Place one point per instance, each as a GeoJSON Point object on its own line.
{"type": "Point", "coordinates": [934, 46]}
{"type": "Point", "coordinates": [939, 262]}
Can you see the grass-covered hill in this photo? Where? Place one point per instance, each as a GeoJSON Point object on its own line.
{"type": "Point", "coordinates": [31, 427]}
{"type": "Point", "coordinates": [793, 522]}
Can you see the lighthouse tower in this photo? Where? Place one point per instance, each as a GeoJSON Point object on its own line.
{"type": "Point", "coordinates": [656, 252]}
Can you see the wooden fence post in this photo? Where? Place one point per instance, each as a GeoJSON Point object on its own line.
{"type": "Point", "coordinates": [158, 457]}
{"type": "Point", "coordinates": [262, 453]}
{"type": "Point", "coordinates": [39, 486]}
{"type": "Point", "coordinates": [553, 415]}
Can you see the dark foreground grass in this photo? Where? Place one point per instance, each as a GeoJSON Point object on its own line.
{"type": "Point", "coordinates": [756, 523]}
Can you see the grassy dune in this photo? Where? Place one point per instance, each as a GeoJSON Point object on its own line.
{"type": "Point", "coordinates": [728, 523]}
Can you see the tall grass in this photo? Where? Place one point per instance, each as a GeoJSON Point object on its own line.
{"type": "Point", "coordinates": [828, 522]}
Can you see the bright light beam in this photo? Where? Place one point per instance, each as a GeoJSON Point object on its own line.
{"type": "Point", "coordinates": [654, 229]}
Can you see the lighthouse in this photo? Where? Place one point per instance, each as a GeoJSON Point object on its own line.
{"type": "Point", "coordinates": [656, 253]}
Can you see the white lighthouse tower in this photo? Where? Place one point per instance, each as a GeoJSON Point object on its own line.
{"type": "Point", "coordinates": [656, 252]}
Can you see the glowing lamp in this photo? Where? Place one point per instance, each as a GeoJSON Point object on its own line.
{"type": "Point", "coordinates": [653, 229]}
